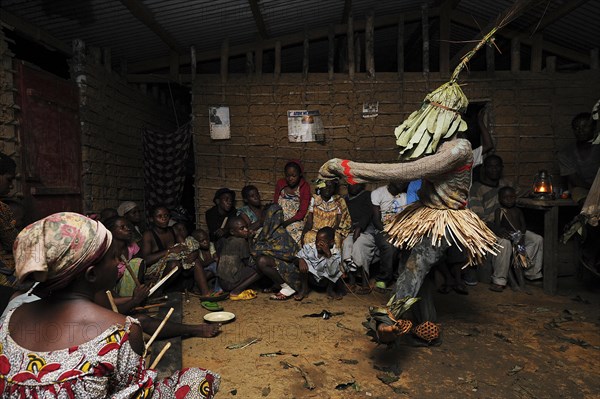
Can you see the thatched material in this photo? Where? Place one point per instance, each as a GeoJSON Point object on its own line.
{"type": "Point", "coordinates": [456, 227]}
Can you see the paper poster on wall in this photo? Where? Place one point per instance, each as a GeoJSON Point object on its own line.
{"type": "Point", "coordinates": [370, 110]}
{"type": "Point", "coordinates": [305, 126]}
{"type": "Point", "coordinates": [218, 118]}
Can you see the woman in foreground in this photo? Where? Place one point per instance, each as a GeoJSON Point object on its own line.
{"type": "Point", "coordinates": [79, 349]}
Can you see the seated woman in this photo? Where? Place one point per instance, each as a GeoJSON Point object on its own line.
{"type": "Point", "coordinates": [102, 355]}
{"type": "Point", "coordinates": [292, 193]}
{"type": "Point", "coordinates": [163, 249]}
{"type": "Point", "coordinates": [128, 296]}
{"type": "Point", "coordinates": [216, 217]}
{"type": "Point", "coordinates": [327, 209]}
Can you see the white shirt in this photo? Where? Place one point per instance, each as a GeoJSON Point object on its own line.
{"type": "Point", "coordinates": [388, 204]}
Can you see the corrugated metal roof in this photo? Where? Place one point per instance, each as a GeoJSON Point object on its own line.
{"type": "Point", "coordinates": [205, 24]}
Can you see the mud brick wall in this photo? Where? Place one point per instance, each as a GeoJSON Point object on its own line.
{"type": "Point", "coordinates": [113, 115]}
{"type": "Point", "coordinates": [531, 115]}
{"type": "Point", "coordinates": [8, 108]}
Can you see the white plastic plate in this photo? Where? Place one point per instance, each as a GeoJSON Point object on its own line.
{"type": "Point", "coordinates": [219, 317]}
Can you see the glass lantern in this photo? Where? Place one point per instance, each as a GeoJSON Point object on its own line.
{"type": "Point", "coordinates": [542, 185]}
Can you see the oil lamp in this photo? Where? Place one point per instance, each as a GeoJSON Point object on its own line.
{"type": "Point", "coordinates": [542, 185]}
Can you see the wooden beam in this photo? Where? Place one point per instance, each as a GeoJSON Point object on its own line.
{"type": "Point", "coordinates": [425, 35]}
{"type": "Point", "coordinates": [555, 15]}
{"type": "Point", "coordinates": [33, 32]}
{"type": "Point", "coordinates": [445, 11]}
{"type": "Point", "coordinates": [490, 60]}
{"type": "Point", "coordinates": [370, 45]}
{"type": "Point", "coordinates": [551, 64]}
{"type": "Point", "coordinates": [277, 67]}
{"type": "Point", "coordinates": [258, 19]}
{"type": "Point", "coordinates": [224, 60]}
{"type": "Point", "coordinates": [331, 51]}
{"type": "Point", "coordinates": [347, 11]}
{"type": "Point", "coordinates": [537, 49]}
{"type": "Point", "coordinates": [143, 13]}
{"type": "Point", "coordinates": [350, 41]}
{"type": "Point", "coordinates": [357, 53]}
{"type": "Point", "coordinates": [515, 55]}
{"type": "Point", "coordinates": [400, 44]}
{"type": "Point", "coordinates": [467, 20]}
{"type": "Point", "coordinates": [258, 58]}
{"type": "Point", "coordinates": [305, 56]}
{"type": "Point", "coordinates": [174, 65]}
{"type": "Point", "coordinates": [286, 41]}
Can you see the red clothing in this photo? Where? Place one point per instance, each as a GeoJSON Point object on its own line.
{"type": "Point", "coordinates": [304, 197]}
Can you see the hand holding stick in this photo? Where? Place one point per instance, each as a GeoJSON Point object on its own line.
{"type": "Point", "coordinates": [162, 281]}
{"type": "Point", "coordinates": [130, 270]}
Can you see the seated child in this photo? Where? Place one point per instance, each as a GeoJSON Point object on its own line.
{"type": "Point", "coordinates": [207, 256]}
{"type": "Point", "coordinates": [320, 262]}
{"type": "Point", "coordinates": [327, 209]}
{"type": "Point", "coordinates": [253, 212]}
{"type": "Point", "coordinates": [359, 247]}
{"type": "Point", "coordinates": [236, 268]}
{"type": "Point", "coordinates": [216, 217]}
{"type": "Point", "coordinates": [510, 224]}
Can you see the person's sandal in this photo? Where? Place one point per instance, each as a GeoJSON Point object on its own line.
{"type": "Point", "coordinates": [496, 287]}
{"type": "Point", "coordinates": [243, 296]}
{"type": "Point", "coordinates": [211, 306]}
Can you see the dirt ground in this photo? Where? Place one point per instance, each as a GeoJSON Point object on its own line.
{"type": "Point", "coordinates": [495, 345]}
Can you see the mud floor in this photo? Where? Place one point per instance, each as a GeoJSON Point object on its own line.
{"type": "Point", "coordinates": [495, 345]}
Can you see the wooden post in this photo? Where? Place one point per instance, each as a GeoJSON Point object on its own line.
{"type": "Point", "coordinates": [193, 62]}
{"type": "Point", "coordinates": [174, 65]}
{"type": "Point", "coordinates": [445, 38]}
{"type": "Point", "coordinates": [490, 60]}
{"type": "Point", "coordinates": [95, 55]}
{"type": "Point", "coordinates": [425, 35]}
{"type": "Point", "coordinates": [249, 63]}
{"type": "Point", "coordinates": [357, 53]}
{"type": "Point", "coordinates": [224, 60]}
{"type": "Point", "coordinates": [123, 67]}
{"type": "Point", "coordinates": [594, 58]}
{"type": "Point", "coordinates": [350, 41]}
{"type": "Point", "coordinates": [277, 68]}
{"type": "Point", "coordinates": [536, 52]}
{"type": "Point", "coordinates": [258, 58]}
{"type": "Point", "coordinates": [106, 55]}
{"type": "Point", "coordinates": [370, 44]}
{"type": "Point", "coordinates": [551, 64]}
{"type": "Point", "coordinates": [515, 55]}
{"type": "Point", "coordinates": [400, 45]}
{"type": "Point", "coordinates": [551, 251]}
{"type": "Point", "coordinates": [331, 51]}
{"type": "Point", "coordinates": [305, 56]}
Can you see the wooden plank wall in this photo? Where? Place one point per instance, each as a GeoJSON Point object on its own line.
{"type": "Point", "coordinates": [531, 114]}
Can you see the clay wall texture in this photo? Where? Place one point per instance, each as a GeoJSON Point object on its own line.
{"type": "Point", "coordinates": [530, 122]}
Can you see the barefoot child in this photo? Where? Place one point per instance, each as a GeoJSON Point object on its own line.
{"type": "Point", "coordinates": [207, 256]}
{"type": "Point", "coordinates": [320, 262]}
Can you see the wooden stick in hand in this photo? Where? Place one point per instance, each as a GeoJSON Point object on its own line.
{"type": "Point", "coordinates": [113, 305]}
{"type": "Point", "coordinates": [160, 327]}
{"type": "Point", "coordinates": [160, 355]}
{"type": "Point", "coordinates": [130, 270]}
{"type": "Point", "coordinates": [162, 281]}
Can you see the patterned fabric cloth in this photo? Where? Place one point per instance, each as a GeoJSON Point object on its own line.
{"type": "Point", "coordinates": [156, 271]}
{"type": "Point", "coordinates": [8, 234]}
{"type": "Point", "coordinates": [290, 204]}
{"type": "Point", "coordinates": [325, 214]}
{"type": "Point", "coordinates": [248, 212]}
{"type": "Point", "coordinates": [319, 266]}
{"type": "Point", "coordinates": [165, 156]}
{"type": "Point", "coordinates": [275, 241]}
{"type": "Point", "coordinates": [53, 249]}
{"type": "Point", "coordinates": [105, 366]}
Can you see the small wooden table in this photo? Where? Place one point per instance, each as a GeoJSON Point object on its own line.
{"type": "Point", "coordinates": [550, 208]}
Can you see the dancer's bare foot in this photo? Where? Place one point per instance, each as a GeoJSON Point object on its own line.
{"type": "Point", "coordinates": [205, 330]}
{"type": "Point", "coordinates": [387, 333]}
